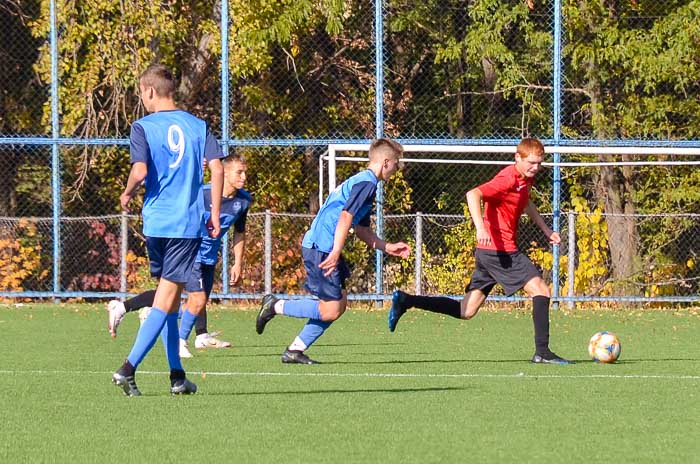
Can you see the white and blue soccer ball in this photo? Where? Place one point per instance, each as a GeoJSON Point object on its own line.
{"type": "Point", "coordinates": [604, 347]}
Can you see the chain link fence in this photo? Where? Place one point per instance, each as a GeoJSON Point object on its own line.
{"type": "Point", "coordinates": [279, 82]}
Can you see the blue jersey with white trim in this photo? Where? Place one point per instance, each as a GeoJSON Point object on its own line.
{"type": "Point", "coordinates": [173, 145]}
{"type": "Point", "coordinates": [356, 196]}
{"type": "Point", "coordinates": [234, 212]}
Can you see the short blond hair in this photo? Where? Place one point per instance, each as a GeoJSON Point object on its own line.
{"type": "Point", "coordinates": [384, 148]}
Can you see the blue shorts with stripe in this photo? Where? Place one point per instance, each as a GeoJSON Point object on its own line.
{"type": "Point", "coordinates": [172, 258]}
{"type": "Point", "coordinates": [201, 278]}
{"type": "Point", "coordinates": [326, 288]}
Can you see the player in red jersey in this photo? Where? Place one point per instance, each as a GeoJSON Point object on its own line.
{"type": "Point", "coordinates": [498, 260]}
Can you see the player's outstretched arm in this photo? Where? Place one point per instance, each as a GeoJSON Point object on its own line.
{"type": "Point", "coordinates": [368, 236]}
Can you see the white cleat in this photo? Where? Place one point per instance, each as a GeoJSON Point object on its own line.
{"type": "Point", "coordinates": [143, 314]}
{"type": "Point", "coordinates": [116, 311]}
{"type": "Point", "coordinates": [207, 340]}
{"type": "Point", "coordinates": [184, 350]}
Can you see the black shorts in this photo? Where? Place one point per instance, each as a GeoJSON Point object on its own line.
{"type": "Point", "coordinates": [511, 270]}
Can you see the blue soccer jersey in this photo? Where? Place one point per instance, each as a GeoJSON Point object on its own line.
{"type": "Point", "coordinates": [173, 145]}
{"type": "Point", "coordinates": [234, 212]}
{"type": "Point", "coordinates": [356, 196]}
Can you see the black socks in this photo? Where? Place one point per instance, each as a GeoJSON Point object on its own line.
{"type": "Point", "coordinates": [435, 304]}
{"type": "Point", "coordinates": [140, 301]}
{"type": "Point", "coordinates": [540, 319]}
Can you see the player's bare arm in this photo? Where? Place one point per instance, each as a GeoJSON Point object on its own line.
{"type": "Point", "coordinates": [342, 229]}
{"type": "Point", "coordinates": [217, 190]}
{"type": "Point", "coordinates": [136, 176]}
{"type": "Point", "coordinates": [368, 236]}
{"type": "Point", "coordinates": [474, 197]}
{"type": "Point", "coordinates": [237, 269]}
{"type": "Point", "coordinates": [531, 211]}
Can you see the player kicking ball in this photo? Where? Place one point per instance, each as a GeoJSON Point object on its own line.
{"type": "Point", "coordinates": [349, 205]}
{"type": "Point", "coordinates": [498, 260]}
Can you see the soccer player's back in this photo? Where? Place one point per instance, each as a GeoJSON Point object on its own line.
{"type": "Point", "coordinates": [167, 152]}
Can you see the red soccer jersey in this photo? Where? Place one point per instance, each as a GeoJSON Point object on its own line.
{"type": "Point", "coordinates": [505, 197]}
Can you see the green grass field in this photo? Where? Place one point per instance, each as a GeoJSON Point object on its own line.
{"type": "Point", "coordinates": [436, 391]}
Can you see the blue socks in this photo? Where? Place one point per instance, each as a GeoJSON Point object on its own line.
{"type": "Point", "coordinates": [313, 329]}
{"type": "Point", "coordinates": [186, 323]}
{"type": "Point", "coordinates": [307, 309]}
{"type": "Point", "coordinates": [171, 341]}
{"type": "Point", "coordinates": [147, 336]}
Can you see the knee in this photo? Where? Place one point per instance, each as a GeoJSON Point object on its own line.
{"type": "Point", "coordinates": [332, 314]}
{"type": "Point", "coordinates": [468, 313]}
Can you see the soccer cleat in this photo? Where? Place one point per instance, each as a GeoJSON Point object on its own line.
{"type": "Point", "coordinates": [183, 387]}
{"type": "Point", "coordinates": [126, 382]}
{"type": "Point", "coordinates": [549, 358]}
{"type": "Point", "coordinates": [296, 357]}
{"type": "Point", "coordinates": [397, 309]}
{"type": "Point", "coordinates": [207, 340]}
{"type": "Point", "coordinates": [266, 313]}
{"type": "Point", "coordinates": [116, 311]}
{"type": "Point", "coordinates": [143, 314]}
{"type": "Point", "coordinates": [184, 349]}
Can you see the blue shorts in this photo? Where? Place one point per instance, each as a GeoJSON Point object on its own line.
{"type": "Point", "coordinates": [201, 278]}
{"type": "Point", "coordinates": [511, 270]}
{"type": "Point", "coordinates": [326, 288]}
{"type": "Point", "coordinates": [172, 258]}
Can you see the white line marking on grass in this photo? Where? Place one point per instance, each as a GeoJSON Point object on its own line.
{"type": "Point", "coordinates": [520, 375]}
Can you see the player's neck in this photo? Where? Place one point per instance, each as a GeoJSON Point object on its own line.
{"type": "Point", "coordinates": [229, 192]}
{"type": "Point", "coordinates": [165, 104]}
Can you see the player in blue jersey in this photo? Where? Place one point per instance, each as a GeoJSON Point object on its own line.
{"type": "Point", "coordinates": [234, 212]}
{"type": "Point", "coordinates": [168, 148]}
{"type": "Point", "coordinates": [350, 205]}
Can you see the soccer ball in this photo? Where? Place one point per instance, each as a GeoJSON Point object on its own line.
{"type": "Point", "coordinates": [604, 347]}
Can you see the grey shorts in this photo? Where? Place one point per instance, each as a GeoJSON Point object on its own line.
{"type": "Point", "coordinates": [511, 270]}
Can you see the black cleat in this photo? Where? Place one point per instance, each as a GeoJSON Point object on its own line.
{"type": "Point", "coordinates": [296, 357]}
{"type": "Point", "coordinates": [266, 313]}
{"type": "Point", "coordinates": [397, 309]}
{"type": "Point", "coordinates": [126, 382]}
{"type": "Point", "coordinates": [183, 387]}
{"type": "Point", "coordinates": [549, 358]}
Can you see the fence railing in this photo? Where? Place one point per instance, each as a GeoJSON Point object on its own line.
{"type": "Point", "coordinates": [106, 258]}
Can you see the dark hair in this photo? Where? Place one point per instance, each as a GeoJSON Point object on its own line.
{"type": "Point", "coordinates": [233, 157]}
{"type": "Point", "coordinates": [160, 78]}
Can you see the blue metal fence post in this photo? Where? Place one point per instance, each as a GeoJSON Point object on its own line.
{"type": "Point", "coordinates": [55, 158]}
{"type": "Point", "coordinates": [379, 133]}
{"type": "Point", "coordinates": [556, 114]}
{"type": "Point", "coordinates": [224, 127]}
